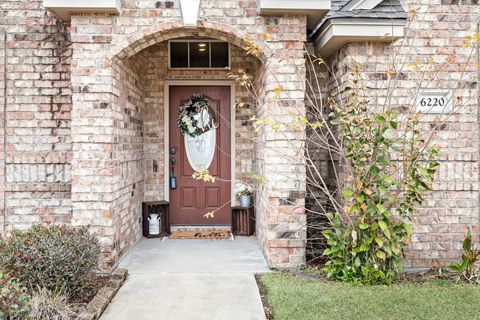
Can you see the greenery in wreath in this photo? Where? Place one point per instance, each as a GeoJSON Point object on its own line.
{"type": "Point", "coordinates": [194, 117]}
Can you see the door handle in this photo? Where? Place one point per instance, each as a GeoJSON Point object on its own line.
{"type": "Point", "coordinates": [173, 161]}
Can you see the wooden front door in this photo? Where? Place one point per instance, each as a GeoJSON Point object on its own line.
{"type": "Point", "coordinates": [192, 199]}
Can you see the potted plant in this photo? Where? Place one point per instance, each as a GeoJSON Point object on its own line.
{"type": "Point", "coordinates": [244, 192]}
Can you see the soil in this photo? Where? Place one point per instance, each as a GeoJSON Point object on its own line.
{"type": "Point", "coordinates": [266, 306]}
{"type": "Point", "coordinates": [79, 304]}
{"type": "Point", "coordinates": [436, 274]}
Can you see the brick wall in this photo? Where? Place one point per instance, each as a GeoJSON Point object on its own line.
{"type": "Point", "coordinates": [35, 57]}
{"type": "Point", "coordinates": [437, 33]}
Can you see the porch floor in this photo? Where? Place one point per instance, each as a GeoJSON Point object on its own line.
{"type": "Point", "coordinates": [190, 279]}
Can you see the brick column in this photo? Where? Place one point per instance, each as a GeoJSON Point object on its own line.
{"type": "Point", "coordinates": [281, 203]}
{"type": "Point", "coordinates": [95, 168]}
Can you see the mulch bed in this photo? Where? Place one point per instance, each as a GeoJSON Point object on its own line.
{"type": "Point", "coordinates": [106, 290]}
{"type": "Point", "coordinates": [418, 277]}
{"type": "Point", "coordinates": [266, 307]}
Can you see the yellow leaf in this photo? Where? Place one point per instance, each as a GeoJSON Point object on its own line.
{"type": "Point", "coordinates": [267, 36]}
{"type": "Point", "coordinates": [210, 214]}
{"type": "Point", "coordinates": [278, 91]}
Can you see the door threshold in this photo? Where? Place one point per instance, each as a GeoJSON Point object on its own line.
{"type": "Point", "coordinates": [190, 227]}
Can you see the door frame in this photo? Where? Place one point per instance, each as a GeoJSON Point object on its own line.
{"type": "Point", "coordinates": [166, 126]}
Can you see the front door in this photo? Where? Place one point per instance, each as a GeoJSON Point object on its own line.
{"type": "Point", "coordinates": [192, 199]}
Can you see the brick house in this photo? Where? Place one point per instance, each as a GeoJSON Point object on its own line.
{"type": "Point", "coordinates": [89, 91]}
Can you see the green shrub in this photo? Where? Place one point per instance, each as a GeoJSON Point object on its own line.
{"type": "Point", "coordinates": [468, 268]}
{"type": "Point", "coordinates": [390, 170]}
{"type": "Point", "coordinates": [50, 306]}
{"type": "Point", "coordinates": [15, 302]}
{"type": "Point", "coordinates": [58, 258]}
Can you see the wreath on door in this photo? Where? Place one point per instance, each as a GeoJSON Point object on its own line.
{"type": "Point", "coordinates": [196, 116]}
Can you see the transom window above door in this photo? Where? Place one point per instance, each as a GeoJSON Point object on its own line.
{"type": "Point", "coordinates": [198, 54]}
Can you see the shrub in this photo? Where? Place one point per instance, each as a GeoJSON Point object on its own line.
{"type": "Point", "coordinates": [15, 302]}
{"type": "Point", "coordinates": [50, 306]}
{"type": "Point", "coordinates": [468, 268]}
{"type": "Point", "coordinates": [390, 170]}
{"type": "Point", "coordinates": [58, 258]}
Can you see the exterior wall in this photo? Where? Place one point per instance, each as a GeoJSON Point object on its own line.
{"type": "Point", "coordinates": [103, 44]}
{"type": "Point", "coordinates": [35, 139]}
{"type": "Point", "coordinates": [129, 181]}
{"type": "Point", "coordinates": [436, 33]}
{"type": "Point", "coordinates": [95, 164]}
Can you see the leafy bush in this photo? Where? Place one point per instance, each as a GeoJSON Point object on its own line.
{"type": "Point", "coordinates": [51, 306]}
{"type": "Point", "coordinates": [390, 170]}
{"type": "Point", "coordinates": [15, 302]}
{"type": "Point", "coordinates": [468, 268]}
{"type": "Point", "coordinates": [58, 258]}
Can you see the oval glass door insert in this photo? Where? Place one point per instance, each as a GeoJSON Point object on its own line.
{"type": "Point", "coordinates": [201, 149]}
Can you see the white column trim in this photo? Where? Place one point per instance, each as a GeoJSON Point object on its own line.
{"type": "Point", "coordinates": [190, 10]}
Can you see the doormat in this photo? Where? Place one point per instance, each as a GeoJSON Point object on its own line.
{"type": "Point", "coordinates": [200, 234]}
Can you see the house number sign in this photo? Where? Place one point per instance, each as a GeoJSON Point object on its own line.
{"type": "Point", "coordinates": [434, 101]}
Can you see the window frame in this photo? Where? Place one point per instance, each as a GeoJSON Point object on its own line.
{"type": "Point", "coordinates": [209, 41]}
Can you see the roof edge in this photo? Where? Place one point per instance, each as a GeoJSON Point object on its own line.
{"type": "Point", "coordinates": [336, 32]}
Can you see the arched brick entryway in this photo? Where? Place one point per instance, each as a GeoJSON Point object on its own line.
{"type": "Point", "coordinates": [108, 143]}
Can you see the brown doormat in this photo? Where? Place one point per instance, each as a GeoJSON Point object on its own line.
{"type": "Point", "coordinates": [200, 234]}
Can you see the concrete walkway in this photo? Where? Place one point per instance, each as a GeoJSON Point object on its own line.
{"type": "Point", "coordinates": [191, 280]}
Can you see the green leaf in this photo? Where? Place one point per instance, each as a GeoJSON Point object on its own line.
{"type": "Point", "coordinates": [384, 228]}
{"type": "Point", "coordinates": [393, 124]}
{"type": "Point", "coordinates": [387, 213]}
{"type": "Point", "coordinates": [383, 225]}
{"type": "Point", "coordinates": [383, 159]}
{"type": "Point", "coordinates": [361, 198]}
{"type": "Point", "coordinates": [381, 209]}
{"type": "Point", "coordinates": [379, 241]}
{"type": "Point", "coordinates": [391, 198]}
{"type": "Point", "coordinates": [347, 193]}
{"type": "Point", "coordinates": [382, 190]}
{"type": "Point", "coordinates": [363, 248]}
{"type": "Point", "coordinates": [357, 262]}
{"type": "Point", "coordinates": [363, 226]}
{"type": "Point", "coordinates": [456, 267]}
{"type": "Point", "coordinates": [380, 118]}
{"type": "Point", "coordinates": [381, 255]}
{"type": "Point", "coordinates": [467, 243]}
{"type": "Point", "coordinates": [375, 170]}
{"type": "Point", "coordinates": [386, 232]}
{"type": "Point", "coordinates": [408, 229]}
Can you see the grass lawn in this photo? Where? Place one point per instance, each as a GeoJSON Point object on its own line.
{"type": "Point", "coordinates": [292, 297]}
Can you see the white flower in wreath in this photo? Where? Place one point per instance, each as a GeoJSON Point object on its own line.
{"type": "Point", "coordinates": [187, 120]}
